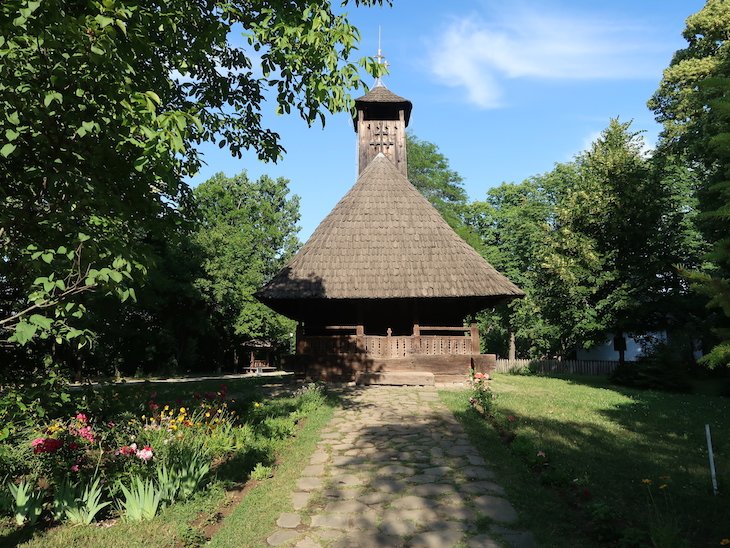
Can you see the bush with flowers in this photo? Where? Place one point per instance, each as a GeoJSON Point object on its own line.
{"type": "Point", "coordinates": [482, 394]}
{"type": "Point", "coordinates": [153, 453]}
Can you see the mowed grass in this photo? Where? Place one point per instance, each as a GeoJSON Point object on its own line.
{"type": "Point", "coordinates": [600, 443]}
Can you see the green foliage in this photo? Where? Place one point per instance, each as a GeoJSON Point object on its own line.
{"type": "Point", "coordinates": [191, 475]}
{"type": "Point", "coordinates": [141, 500]}
{"type": "Point", "coordinates": [429, 171]}
{"type": "Point", "coordinates": [79, 507]}
{"type": "Point", "coordinates": [679, 102]}
{"type": "Point", "coordinates": [692, 103]}
{"type": "Point", "coordinates": [246, 233]}
{"type": "Point", "coordinates": [664, 366]}
{"type": "Point", "coordinates": [104, 107]}
{"type": "Point", "coordinates": [261, 472]}
{"type": "Point", "coordinates": [593, 244]}
{"type": "Point", "coordinates": [27, 503]}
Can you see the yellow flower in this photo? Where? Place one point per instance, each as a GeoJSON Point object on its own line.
{"type": "Point", "coordinates": [166, 408]}
{"type": "Point", "coordinates": [725, 542]}
{"type": "Point", "coordinates": [646, 481]}
{"type": "Point", "coordinates": [173, 427]}
{"type": "Point", "coordinates": [144, 417]}
{"type": "Point", "coordinates": [257, 404]}
{"type": "Point", "coordinates": [207, 415]}
{"type": "Point", "coordinates": [220, 411]}
{"type": "Point", "coordinates": [663, 486]}
{"type": "Point", "coordinates": [182, 410]}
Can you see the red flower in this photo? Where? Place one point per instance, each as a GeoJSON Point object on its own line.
{"type": "Point", "coordinates": [73, 446]}
{"type": "Point", "coordinates": [586, 494]}
{"type": "Point", "coordinates": [46, 445]}
{"type": "Point", "coordinates": [153, 406]}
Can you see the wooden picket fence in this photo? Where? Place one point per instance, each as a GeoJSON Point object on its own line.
{"type": "Point", "coordinates": [576, 367]}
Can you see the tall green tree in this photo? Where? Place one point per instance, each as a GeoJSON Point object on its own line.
{"type": "Point", "coordinates": [247, 232]}
{"type": "Point", "coordinates": [104, 104]}
{"type": "Point", "coordinates": [692, 102]}
{"type": "Point", "coordinates": [430, 172]}
{"type": "Point", "coordinates": [594, 244]}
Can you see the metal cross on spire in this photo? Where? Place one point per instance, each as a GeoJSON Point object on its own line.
{"type": "Point", "coordinates": [381, 61]}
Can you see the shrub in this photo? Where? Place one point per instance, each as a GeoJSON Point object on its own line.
{"type": "Point", "coordinates": [482, 394]}
{"type": "Point", "coordinates": [664, 367]}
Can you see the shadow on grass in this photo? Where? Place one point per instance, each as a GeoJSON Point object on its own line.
{"type": "Point", "coordinates": [17, 536]}
{"type": "Point", "coordinates": [607, 450]}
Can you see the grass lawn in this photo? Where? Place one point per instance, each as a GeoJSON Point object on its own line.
{"type": "Point", "coordinates": [189, 523]}
{"type": "Point", "coordinates": [599, 444]}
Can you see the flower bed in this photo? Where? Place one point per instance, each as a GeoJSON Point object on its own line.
{"type": "Point", "coordinates": [128, 461]}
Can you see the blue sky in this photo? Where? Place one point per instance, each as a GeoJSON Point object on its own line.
{"type": "Point", "coordinates": [505, 89]}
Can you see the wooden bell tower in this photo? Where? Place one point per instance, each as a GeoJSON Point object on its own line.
{"type": "Point", "coordinates": [382, 118]}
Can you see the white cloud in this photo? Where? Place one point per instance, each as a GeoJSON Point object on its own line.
{"type": "Point", "coordinates": [523, 42]}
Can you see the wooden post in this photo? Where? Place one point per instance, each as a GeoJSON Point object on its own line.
{"type": "Point", "coordinates": [300, 339]}
{"type": "Point", "coordinates": [474, 332]}
{"type": "Point", "coordinates": [360, 338]}
{"type": "Point", "coordinates": [416, 330]}
{"type": "Point", "coordinates": [388, 342]}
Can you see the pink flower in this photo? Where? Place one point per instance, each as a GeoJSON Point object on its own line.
{"type": "Point", "coordinates": [75, 468]}
{"type": "Point", "coordinates": [145, 453]}
{"type": "Point", "coordinates": [86, 433]}
{"type": "Point", "coordinates": [127, 450]}
{"type": "Point", "coordinates": [81, 417]}
{"type": "Point", "coordinates": [36, 442]}
{"type": "Point", "coordinates": [153, 406]}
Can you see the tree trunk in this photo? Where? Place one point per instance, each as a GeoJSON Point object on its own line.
{"type": "Point", "coordinates": [512, 352]}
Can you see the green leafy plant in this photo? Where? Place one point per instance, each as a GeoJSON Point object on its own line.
{"type": "Point", "coordinates": [168, 482]}
{"type": "Point", "coordinates": [192, 475]}
{"type": "Point", "coordinates": [261, 472]}
{"type": "Point", "coordinates": [84, 509]}
{"type": "Point", "coordinates": [141, 500]}
{"type": "Point", "coordinates": [27, 502]}
{"type": "Point", "coordinates": [482, 394]}
{"type": "Point", "coordinates": [64, 497]}
{"type": "Point", "coordinates": [6, 501]}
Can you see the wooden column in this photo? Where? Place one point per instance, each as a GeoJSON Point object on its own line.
{"type": "Point", "coordinates": [300, 339]}
{"type": "Point", "coordinates": [360, 338]}
{"type": "Point", "coordinates": [474, 333]}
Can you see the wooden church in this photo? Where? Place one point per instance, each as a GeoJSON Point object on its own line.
{"type": "Point", "coordinates": [382, 287]}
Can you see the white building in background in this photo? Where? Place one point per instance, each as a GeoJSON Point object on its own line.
{"type": "Point", "coordinates": [635, 348]}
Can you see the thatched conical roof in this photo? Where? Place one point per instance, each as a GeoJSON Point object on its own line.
{"type": "Point", "coordinates": [385, 240]}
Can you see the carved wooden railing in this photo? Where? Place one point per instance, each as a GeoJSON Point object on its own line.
{"type": "Point", "coordinates": [392, 346]}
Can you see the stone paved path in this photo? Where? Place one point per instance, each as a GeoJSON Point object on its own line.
{"type": "Point", "coordinates": [395, 468]}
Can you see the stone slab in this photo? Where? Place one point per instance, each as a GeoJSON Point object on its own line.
{"type": "Point", "coordinates": [396, 378]}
